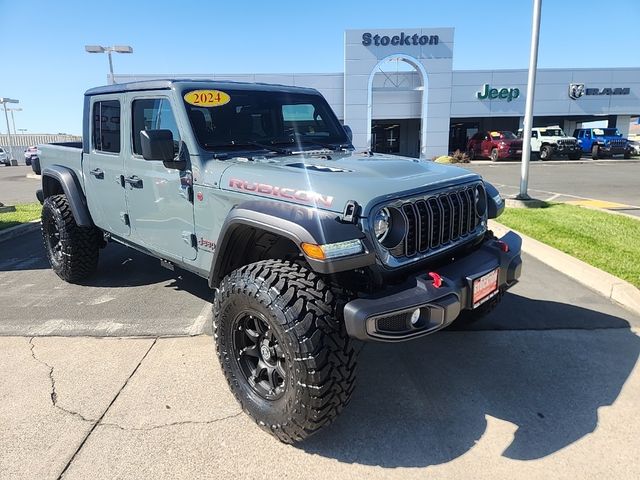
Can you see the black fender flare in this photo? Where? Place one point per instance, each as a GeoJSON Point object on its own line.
{"type": "Point", "coordinates": [494, 207]}
{"type": "Point", "coordinates": [71, 187]}
{"type": "Point", "coordinates": [297, 223]}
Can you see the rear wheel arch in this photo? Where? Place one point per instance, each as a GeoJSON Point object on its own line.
{"type": "Point", "coordinates": [59, 180]}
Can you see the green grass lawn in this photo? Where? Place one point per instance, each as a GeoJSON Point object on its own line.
{"type": "Point", "coordinates": [606, 241]}
{"type": "Point", "coordinates": [24, 213]}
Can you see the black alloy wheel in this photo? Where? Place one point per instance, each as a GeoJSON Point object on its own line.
{"type": "Point", "coordinates": [259, 354]}
{"type": "Point", "coordinates": [52, 241]}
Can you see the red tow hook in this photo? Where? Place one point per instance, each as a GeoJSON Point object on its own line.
{"type": "Point", "coordinates": [503, 246]}
{"type": "Point", "coordinates": [437, 279]}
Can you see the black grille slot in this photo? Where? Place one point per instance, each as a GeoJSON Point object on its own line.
{"type": "Point", "coordinates": [464, 211]}
{"type": "Point", "coordinates": [425, 226]}
{"type": "Point", "coordinates": [456, 217]}
{"type": "Point", "coordinates": [393, 323]}
{"type": "Point", "coordinates": [446, 218]}
{"type": "Point", "coordinates": [436, 218]}
{"type": "Point", "coordinates": [411, 240]}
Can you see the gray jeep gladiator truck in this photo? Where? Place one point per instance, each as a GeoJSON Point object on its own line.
{"type": "Point", "coordinates": [309, 246]}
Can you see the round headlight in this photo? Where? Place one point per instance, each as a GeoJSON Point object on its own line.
{"type": "Point", "coordinates": [480, 200]}
{"type": "Point", "coordinates": [382, 224]}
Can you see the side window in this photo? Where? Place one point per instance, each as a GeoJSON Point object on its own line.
{"type": "Point", "coordinates": [152, 114]}
{"type": "Point", "coordinates": [534, 134]}
{"type": "Point", "coordinates": [587, 134]}
{"type": "Point", "coordinates": [106, 126]}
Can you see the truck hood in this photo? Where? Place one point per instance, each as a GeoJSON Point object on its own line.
{"type": "Point", "coordinates": [329, 181]}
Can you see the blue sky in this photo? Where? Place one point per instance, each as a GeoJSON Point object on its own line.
{"type": "Point", "coordinates": [43, 63]}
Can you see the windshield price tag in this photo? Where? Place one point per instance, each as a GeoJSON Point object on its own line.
{"type": "Point", "coordinates": [207, 98]}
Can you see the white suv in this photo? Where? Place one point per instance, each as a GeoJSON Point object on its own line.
{"type": "Point", "coordinates": [547, 142]}
{"type": "Point", "coordinates": [4, 157]}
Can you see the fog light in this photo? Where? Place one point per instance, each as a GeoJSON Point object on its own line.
{"type": "Point", "coordinates": [415, 317]}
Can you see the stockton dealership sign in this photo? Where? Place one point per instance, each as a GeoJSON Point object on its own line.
{"type": "Point", "coordinates": [402, 39]}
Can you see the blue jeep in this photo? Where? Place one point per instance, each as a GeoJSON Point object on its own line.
{"type": "Point", "coordinates": [602, 142]}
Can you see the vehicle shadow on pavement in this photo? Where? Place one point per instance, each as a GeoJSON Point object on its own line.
{"type": "Point", "coordinates": [120, 266]}
{"type": "Point", "coordinates": [426, 402]}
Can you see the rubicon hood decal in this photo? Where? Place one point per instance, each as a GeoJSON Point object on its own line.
{"type": "Point", "coordinates": [302, 196]}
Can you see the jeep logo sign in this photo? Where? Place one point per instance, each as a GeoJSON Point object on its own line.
{"type": "Point", "coordinates": [507, 94]}
{"type": "Point", "coordinates": [577, 90]}
{"type": "Point", "coordinates": [402, 39]}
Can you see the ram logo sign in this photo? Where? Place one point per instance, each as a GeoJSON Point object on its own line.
{"type": "Point", "coordinates": [577, 90]}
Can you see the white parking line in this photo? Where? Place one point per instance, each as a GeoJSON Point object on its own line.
{"type": "Point", "coordinates": [201, 320]}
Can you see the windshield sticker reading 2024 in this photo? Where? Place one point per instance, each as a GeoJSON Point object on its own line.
{"type": "Point", "coordinates": [207, 98]}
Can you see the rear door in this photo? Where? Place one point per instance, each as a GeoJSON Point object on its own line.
{"type": "Point", "coordinates": [159, 199]}
{"type": "Point", "coordinates": [103, 166]}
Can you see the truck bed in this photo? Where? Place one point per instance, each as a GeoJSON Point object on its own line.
{"type": "Point", "coordinates": [68, 154]}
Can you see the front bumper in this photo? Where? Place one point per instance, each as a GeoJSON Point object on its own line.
{"type": "Point", "coordinates": [385, 316]}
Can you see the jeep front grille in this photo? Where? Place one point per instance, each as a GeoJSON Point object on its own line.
{"type": "Point", "coordinates": [566, 142]}
{"type": "Point", "coordinates": [437, 221]}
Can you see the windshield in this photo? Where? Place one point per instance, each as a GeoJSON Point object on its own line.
{"type": "Point", "coordinates": [552, 132]}
{"type": "Point", "coordinates": [503, 135]}
{"type": "Point", "coordinates": [607, 132]}
{"type": "Point", "coordinates": [282, 122]}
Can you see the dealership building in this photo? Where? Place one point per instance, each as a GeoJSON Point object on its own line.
{"type": "Point", "coordinates": [400, 94]}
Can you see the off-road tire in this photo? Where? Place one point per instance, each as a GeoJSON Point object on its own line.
{"type": "Point", "coordinates": [75, 255]}
{"type": "Point", "coordinates": [303, 313]}
{"type": "Point", "coordinates": [471, 154]}
{"type": "Point", "coordinates": [627, 155]}
{"type": "Point", "coordinates": [575, 156]}
{"type": "Point", "coordinates": [595, 152]}
{"type": "Point", "coordinates": [495, 156]}
{"type": "Point", "coordinates": [545, 152]}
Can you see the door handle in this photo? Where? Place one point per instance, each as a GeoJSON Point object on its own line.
{"type": "Point", "coordinates": [134, 181]}
{"type": "Point", "coordinates": [97, 172]}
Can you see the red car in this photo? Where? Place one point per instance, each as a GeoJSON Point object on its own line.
{"type": "Point", "coordinates": [494, 145]}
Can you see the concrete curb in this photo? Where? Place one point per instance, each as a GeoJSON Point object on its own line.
{"type": "Point", "coordinates": [18, 230]}
{"type": "Point", "coordinates": [604, 283]}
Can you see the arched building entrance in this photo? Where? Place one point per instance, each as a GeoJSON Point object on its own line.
{"type": "Point", "coordinates": [395, 133]}
{"type": "Point", "coordinates": [428, 54]}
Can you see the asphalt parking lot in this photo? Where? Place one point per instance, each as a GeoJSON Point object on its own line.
{"type": "Point", "coordinates": [614, 183]}
{"type": "Point", "coordinates": [15, 187]}
{"type": "Point", "coordinates": [547, 383]}
{"type": "Point", "coordinates": [117, 378]}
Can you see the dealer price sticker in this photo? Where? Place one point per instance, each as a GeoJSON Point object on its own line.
{"type": "Point", "coordinates": [485, 287]}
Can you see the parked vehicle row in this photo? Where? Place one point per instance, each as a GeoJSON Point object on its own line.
{"type": "Point", "coordinates": [30, 156]}
{"type": "Point", "coordinates": [550, 142]}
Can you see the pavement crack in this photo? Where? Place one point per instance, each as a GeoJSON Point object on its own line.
{"type": "Point", "coordinates": [171, 424]}
{"type": "Point", "coordinates": [54, 392]}
{"type": "Point", "coordinates": [97, 422]}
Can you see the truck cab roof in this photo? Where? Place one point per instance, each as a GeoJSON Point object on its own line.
{"type": "Point", "coordinates": [167, 84]}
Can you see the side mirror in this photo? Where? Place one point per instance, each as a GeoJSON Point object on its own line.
{"type": "Point", "coordinates": [349, 132]}
{"type": "Point", "coordinates": [157, 145]}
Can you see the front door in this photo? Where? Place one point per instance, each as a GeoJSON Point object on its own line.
{"type": "Point", "coordinates": [159, 199]}
{"type": "Point", "coordinates": [103, 167]}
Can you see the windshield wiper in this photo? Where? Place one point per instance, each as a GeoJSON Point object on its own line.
{"type": "Point", "coordinates": [294, 140]}
{"type": "Point", "coordinates": [281, 151]}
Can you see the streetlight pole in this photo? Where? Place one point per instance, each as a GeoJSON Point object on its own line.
{"type": "Point", "coordinates": [108, 51]}
{"type": "Point", "coordinates": [4, 102]}
{"type": "Point", "coordinates": [13, 120]}
{"type": "Point", "coordinates": [528, 111]}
